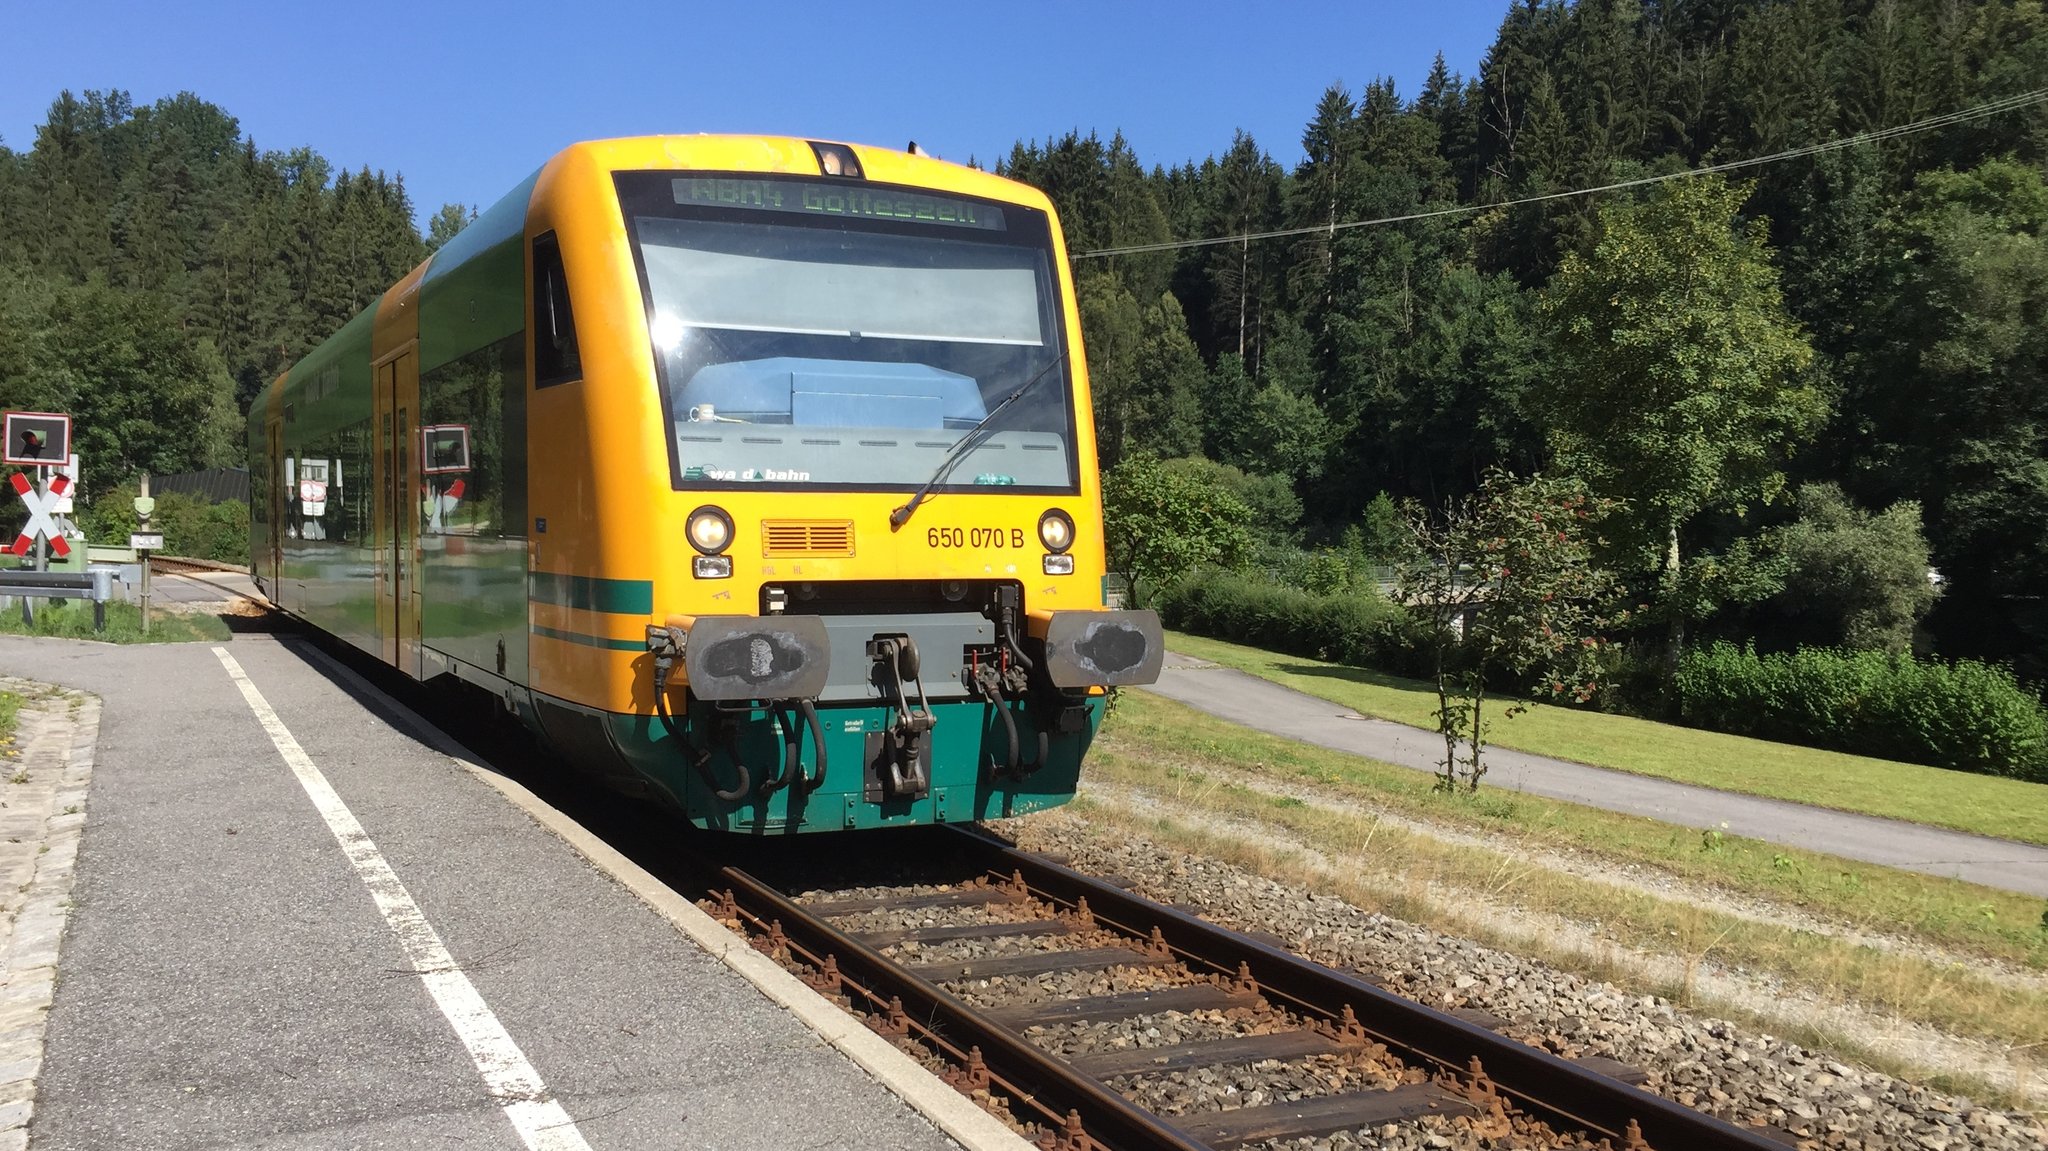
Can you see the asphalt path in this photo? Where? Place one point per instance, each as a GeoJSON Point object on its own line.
{"type": "Point", "coordinates": [228, 980]}
{"type": "Point", "coordinates": [1257, 703]}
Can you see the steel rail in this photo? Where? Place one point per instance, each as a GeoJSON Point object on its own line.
{"type": "Point", "coordinates": [1055, 1088]}
{"type": "Point", "coordinates": [1551, 1088]}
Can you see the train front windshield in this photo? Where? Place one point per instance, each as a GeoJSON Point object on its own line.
{"type": "Point", "coordinates": [845, 335]}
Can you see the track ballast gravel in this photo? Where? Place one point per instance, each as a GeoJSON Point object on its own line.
{"type": "Point", "coordinates": [1705, 1063]}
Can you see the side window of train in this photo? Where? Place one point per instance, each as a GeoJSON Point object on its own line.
{"type": "Point", "coordinates": [555, 359]}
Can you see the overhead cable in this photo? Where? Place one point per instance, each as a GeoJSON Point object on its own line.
{"type": "Point", "coordinates": [1947, 119]}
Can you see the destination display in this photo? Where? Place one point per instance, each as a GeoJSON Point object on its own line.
{"type": "Point", "coordinates": [855, 201]}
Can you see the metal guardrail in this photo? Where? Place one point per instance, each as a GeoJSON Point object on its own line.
{"type": "Point", "coordinates": [95, 584]}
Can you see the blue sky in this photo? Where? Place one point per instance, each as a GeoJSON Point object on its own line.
{"type": "Point", "coordinates": [465, 99]}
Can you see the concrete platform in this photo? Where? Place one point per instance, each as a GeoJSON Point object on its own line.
{"type": "Point", "coordinates": [230, 977]}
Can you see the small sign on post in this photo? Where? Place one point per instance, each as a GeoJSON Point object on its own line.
{"type": "Point", "coordinates": [144, 508]}
{"type": "Point", "coordinates": [70, 472]}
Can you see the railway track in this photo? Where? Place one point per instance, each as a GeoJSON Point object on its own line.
{"type": "Point", "coordinates": [1045, 994]}
{"type": "Point", "coordinates": [179, 565]}
{"type": "Point", "coordinates": [1024, 977]}
{"type": "Point", "coordinates": [203, 590]}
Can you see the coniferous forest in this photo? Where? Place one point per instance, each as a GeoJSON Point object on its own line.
{"type": "Point", "coordinates": [1811, 379]}
{"type": "Point", "coordinates": [1805, 381]}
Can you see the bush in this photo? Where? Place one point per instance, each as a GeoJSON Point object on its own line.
{"type": "Point", "coordinates": [1853, 578]}
{"type": "Point", "coordinates": [1326, 574]}
{"type": "Point", "coordinates": [1361, 629]}
{"type": "Point", "coordinates": [1381, 538]}
{"type": "Point", "coordinates": [1276, 510]}
{"type": "Point", "coordinates": [1318, 571]}
{"type": "Point", "coordinates": [1282, 565]}
{"type": "Point", "coordinates": [191, 525]}
{"type": "Point", "coordinates": [1161, 524]}
{"type": "Point", "coordinates": [1967, 715]}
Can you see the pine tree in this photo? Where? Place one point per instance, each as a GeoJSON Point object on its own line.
{"type": "Point", "coordinates": [1133, 217]}
{"type": "Point", "coordinates": [1112, 326]}
{"type": "Point", "coordinates": [1318, 194]}
{"type": "Point", "coordinates": [69, 185]}
{"type": "Point", "coordinates": [1782, 77]}
{"type": "Point", "coordinates": [447, 222]}
{"type": "Point", "coordinates": [1244, 193]}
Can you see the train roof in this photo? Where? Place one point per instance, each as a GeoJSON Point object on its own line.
{"type": "Point", "coordinates": [480, 272]}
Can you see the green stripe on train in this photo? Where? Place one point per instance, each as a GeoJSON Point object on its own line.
{"type": "Point", "coordinates": [604, 642]}
{"type": "Point", "coordinates": [587, 593]}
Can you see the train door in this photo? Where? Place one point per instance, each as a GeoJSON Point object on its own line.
{"type": "Point", "coordinates": [272, 559]}
{"type": "Point", "coordinates": [397, 482]}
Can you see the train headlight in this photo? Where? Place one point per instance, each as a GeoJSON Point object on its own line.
{"type": "Point", "coordinates": [709, 529]}
{"type": "Point", "coordinates": [1056, 530]}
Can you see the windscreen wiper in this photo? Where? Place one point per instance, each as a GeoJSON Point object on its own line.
{"type": "Point", "coordinates": [965, 444]}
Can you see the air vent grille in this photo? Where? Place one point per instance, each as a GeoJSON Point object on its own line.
{"type": "Point", "coordinates": [807, 538]}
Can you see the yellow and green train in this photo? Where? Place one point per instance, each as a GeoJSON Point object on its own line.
{"type": "Point", "coordinates": [754, 474]}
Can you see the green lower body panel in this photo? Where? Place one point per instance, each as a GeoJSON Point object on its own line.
{"type": "Point", "coordinates": [959, 760]}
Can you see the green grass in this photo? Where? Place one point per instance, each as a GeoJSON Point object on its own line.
{"type": "Point", "coordinates": [10, 715]}
{"type": "Point", "coordinates": [72, 619]}
{"type": "Point", "coordinates": [1980, 804]}
{"type": "Point", "coordinates": [1160, 741]}
{"type": "Point", "coordinates": [1379, 837]}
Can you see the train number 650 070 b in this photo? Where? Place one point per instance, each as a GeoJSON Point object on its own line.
{"type": "Point", "coordinates": [940, 537]}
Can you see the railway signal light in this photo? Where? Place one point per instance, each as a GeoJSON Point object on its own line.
{"type": "Point", "coordinates": [37, 439]}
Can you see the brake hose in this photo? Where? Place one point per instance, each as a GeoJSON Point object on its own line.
{"type": "Point", "coordinates": [1010, 764]}
{"type": "Point", "coordinates": [700, 759]}
{"type": "Point", "coordinates": [809, 711]}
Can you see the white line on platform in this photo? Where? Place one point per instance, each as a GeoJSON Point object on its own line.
{"type": "Point", "coordinates": [927, 1094]}
{"type": "Point", "coordinates": [512, 1081]}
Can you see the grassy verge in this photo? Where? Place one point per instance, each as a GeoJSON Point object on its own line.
{"type": "Point", "coordinates": [1980, 804]}
{"type": "Point", "coordinates": [10, 716]}
{"type": "Point", "coordinates": [1162, 743]}
{"type": "Point", "coordinates": [72, 619]}
{"type": "Point", "coordinates": [1460, 913]}
{"type": "Point", "coordinates": [1190, 762]}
